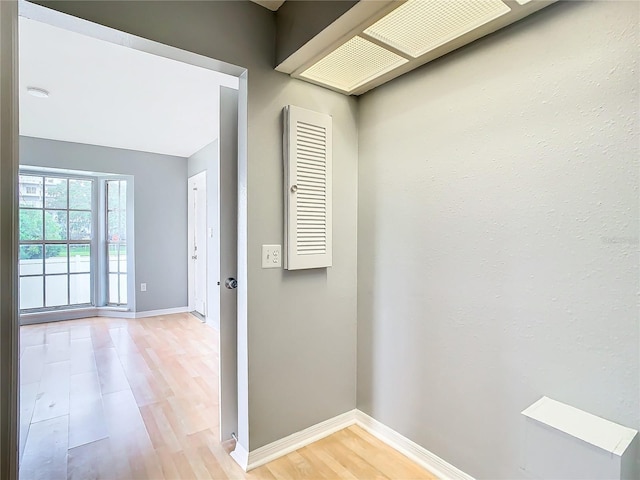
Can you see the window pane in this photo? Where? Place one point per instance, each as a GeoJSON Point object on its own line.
{"type": "Point", "coordinates": [113, 258]}
{"type": "Point", "coordinates": [113, 194]}
{"type": "Point", "coordinates": [56, 290]}
{"type": "Point", "coordinates": [123, 195]}
{"type": "Point", "coordinates": [55, 225]}
{"type": "Point", "coordinates": [55, 259]}
{"type": "Point", "coordinates": [31, 292]}
{"type": "Point", "coordinates": [123, 258]}
{"type": "Point", "coordinates": [123, 226]}
{"type": "Point", "coordinates": [55, 193]}
{"type": "Point", "coordinates": [123, 288]}
{"type": "Point", "coordinates": [113, 288]}
{"type": "Point", "coordinates": [30, 259]}
{"type": "Point", "coordinates": [80, 225]}
{"type": "Point", "coordinates": [30, 191]}
{"type": "Point", "coordinates": [80, 258]}
{"type": "Point", "coordinates": [117, 210]}
{"type": "Point", "coordinates": [113, 221]}
{"type": "Point", "coordinates": [30, 225]}
{"type": "Point", "coordinates": [80, 194]}
{"type": "Point", "coordinates": [80, 288]}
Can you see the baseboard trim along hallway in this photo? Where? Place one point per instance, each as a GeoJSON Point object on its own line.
{"type": "Point", "coordinates": [410, 449]}
{"type": "Point", "coordinates": [295, 441]}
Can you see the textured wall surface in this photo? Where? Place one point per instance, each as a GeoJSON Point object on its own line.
{"type": "Point", "coordinates": [498, 236]}
{"type": "Point", "coordinates": [160, 210]}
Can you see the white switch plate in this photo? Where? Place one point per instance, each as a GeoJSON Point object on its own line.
{"type": "Point", "coordinates": [271, 256]}
{"type": "Point", "coordinates": [143, 287]}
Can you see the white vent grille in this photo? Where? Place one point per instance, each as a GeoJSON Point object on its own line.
{"type": "Point", "coordinates": [419, 26]}
{"type": "Point", "coordinates": [353, 64]}
{"type": "Point", "coordinates": [307, 148]}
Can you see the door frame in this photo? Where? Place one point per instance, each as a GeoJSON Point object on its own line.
{"type": "Point", "coordinates": [10, 10]}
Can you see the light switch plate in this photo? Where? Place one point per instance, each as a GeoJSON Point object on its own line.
{"type": "Point", "coordinates": [271, 256]}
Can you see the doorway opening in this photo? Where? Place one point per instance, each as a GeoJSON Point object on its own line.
{"type": "Point", "coordinates": [97, 372]}
{"type": "Point", "coordinates": [200, 238]}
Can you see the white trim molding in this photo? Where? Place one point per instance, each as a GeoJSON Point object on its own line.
{"type": "Point", "coordinates": [77, 313]}
{"type": "Point", "coordinates": [300, 439]}
{"type": "Point", "coordinates": [413, 451]}
{"type": "Point", "coordinates": [423, 457]}
{"type": "Point", "coordinates": [156, 313]}
{"type": "Point", "coordinates": [241, 456]}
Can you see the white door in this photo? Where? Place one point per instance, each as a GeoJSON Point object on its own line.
{"type": "Point", "coordinates": [198, 243]}
{"type": "Point", "coordinates": [228, 262]}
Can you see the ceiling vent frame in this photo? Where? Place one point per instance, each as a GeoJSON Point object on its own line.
{"type": "Point", "coordinates": [366, 13]}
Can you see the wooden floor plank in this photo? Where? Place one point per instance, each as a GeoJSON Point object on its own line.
{"type": "Point", "coordinates": [28, 395]}
{"type": "Point", "coordinates": [53, 394]}
{"type": "Point", "coordinates": [110, 372]}
{"type": "Point", "coordinates": [45, 452]}
{"type": "Point", "coordinates": [113, 399]}
{"type": "Point", "coordinates": [92, 461]}
{"type": "Point", "coordinates": [58, 346]}
{"type": "Point", "coordinates": [81, 356]}
{"type": "Point", "coordinates": [32, 363]}
{"type": "Point", "coordinates": [87, 421]}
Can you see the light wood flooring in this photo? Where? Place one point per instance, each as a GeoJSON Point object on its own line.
{"type": "Point", "coordinates": [106, 398]}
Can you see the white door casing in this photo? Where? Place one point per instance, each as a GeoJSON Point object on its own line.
{"type": "Point", "coordinates": [197, 219]}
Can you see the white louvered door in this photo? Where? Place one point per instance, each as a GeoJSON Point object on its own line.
{"type": "Point", "coordinates": [307, 156]}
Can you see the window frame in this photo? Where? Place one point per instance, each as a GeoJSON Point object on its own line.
{"type": "Point", "coordinates": [68, 242]}
{"type": "Point", "coordinates": [118, 244]}
{"type": "Point", "coordinates": [98, 265]}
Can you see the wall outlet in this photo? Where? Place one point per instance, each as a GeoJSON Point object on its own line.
{"type": "Point", "coordinates": [143, 287]}
{"type": "Point", "coordinates": [271, 256]}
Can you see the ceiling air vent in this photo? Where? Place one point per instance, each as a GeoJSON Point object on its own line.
{"type": "Point", "coordinates": [419, 26]}
{"type": "Point", "coordinates": [353, 64]}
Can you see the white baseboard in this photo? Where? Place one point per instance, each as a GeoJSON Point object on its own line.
{"type": "Point", "coordinates": [75, 314]}
{"type": "Point", "coordinates": [420, 455]}
{"type": "Point", "coordinates": [279, 448]}
{"type": "Point", "coordinates": [166, 311]}
{"type": "Point", "coordinates": [300, 439]}
{"type": "Point", "coordinates": [57, 315]}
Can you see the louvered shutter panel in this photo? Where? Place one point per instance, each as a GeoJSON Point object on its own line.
{"type": "Point", "coordinates": [307, 157]}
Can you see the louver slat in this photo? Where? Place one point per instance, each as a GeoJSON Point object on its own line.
{"type": "Point", "coordinates": [307, 148]}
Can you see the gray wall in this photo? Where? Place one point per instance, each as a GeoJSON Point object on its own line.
{"type": "Point", "coordinates": [160, 210]}
{"type": "Point", "coordinates": [301, 325]}
{"type": "Point", "coordinates": [498, 236]}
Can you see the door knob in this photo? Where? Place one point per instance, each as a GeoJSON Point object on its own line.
{"type": "Point", "coordinates": [231, 283]}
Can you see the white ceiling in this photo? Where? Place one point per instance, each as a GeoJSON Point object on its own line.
{"type": "Point", "coordinates": [106, 94]}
